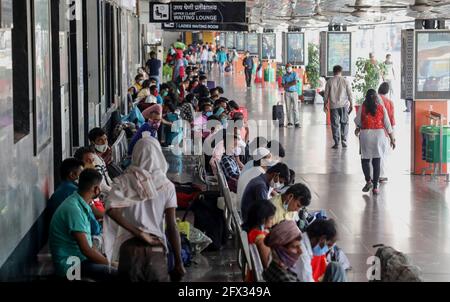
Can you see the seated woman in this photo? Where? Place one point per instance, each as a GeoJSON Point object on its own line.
{"type": "Point", "coordinates": [140, 203]}
{"type": "Point", "coordinates": [259, 222]}
{"type": "Point", "coordinates": [285, 242]}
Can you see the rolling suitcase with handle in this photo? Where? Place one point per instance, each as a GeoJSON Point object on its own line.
{"type": "Point", "coordinates": [278, 114]}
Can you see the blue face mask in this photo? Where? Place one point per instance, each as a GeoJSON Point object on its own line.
{"type": "Point", "coordinates": [208, 114]}
{"type": "Point", "coordinates": [320, 251]}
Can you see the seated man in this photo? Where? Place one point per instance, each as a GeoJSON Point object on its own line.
{"type": "Point", "coordinates": [289, 204]}
{"type": "Point", "coordinates": [262, 162]}
{"type": "Point", "coordinates": [229, 163]}
{"type": "Point", "coordinates": [92, 161]}
{"type": "Point", "coordinates": [316, 242]}
{"type": "Point", "coordinates": [259, 187]}
{"type": "Point", "coordinates": [71, 236]}
{"type": "Point", "coordinates": [70, 171]}
{"type": "Point", "coordinates": [103, 158]}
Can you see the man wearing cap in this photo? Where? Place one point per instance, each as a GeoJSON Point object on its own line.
{"type": "Point", "coordinates": [262, 161]}
{"type": "Point", "coordinates": [290, 81]}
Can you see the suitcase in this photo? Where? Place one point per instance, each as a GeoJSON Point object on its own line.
{"type": "Point", "coordinates": [278, 114]}
{"type": "Point", "coordinates": [309, 96]}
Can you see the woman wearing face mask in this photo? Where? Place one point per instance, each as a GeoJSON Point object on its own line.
{"type": "Point", "coordinates": [312, 265]}
{"type": "Point", "coordinates": [284, 241]}
{"type": "Point", "coordinates": [258, 225]}
{"type": "Point", "coordinates": [289, 204]}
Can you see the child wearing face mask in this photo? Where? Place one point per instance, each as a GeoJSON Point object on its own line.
{"type": "Point", "coordinates": [258, 225]}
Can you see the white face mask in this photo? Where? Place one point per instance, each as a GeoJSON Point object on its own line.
{"type": "Point", "coordinates": [289, 69]}
{"type": "Point", "coordinates": [101, 148]}
{"type": "Point", "coordinates": [276, 185]}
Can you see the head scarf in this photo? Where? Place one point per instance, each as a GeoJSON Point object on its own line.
{"type": "Point", "coordinates": [152, 109]}
{"type": "Point", "coordinates": [280, 236]}
{"type": "Point", "coordinates": [142, 180]}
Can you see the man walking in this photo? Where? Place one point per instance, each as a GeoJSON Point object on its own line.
{"type": "Point", "coordinates": [248, 64]}
{"type": "Point", "coordinates": [339, 98]}
{"type": "Point", "coordinates": [153, 68]}
{"type": "Point", "coordinates": [290, 81]}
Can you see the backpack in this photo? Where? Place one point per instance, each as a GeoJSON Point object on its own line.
{"type": "Point", "coordinates": [209, 219]}
{"type": "Point", "coordinates": [395, 266]}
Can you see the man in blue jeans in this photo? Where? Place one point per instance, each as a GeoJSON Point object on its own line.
{"type": "Point", "coordinates": [290, 81]}
{"type": "Point", "coordinates": [70, 234]}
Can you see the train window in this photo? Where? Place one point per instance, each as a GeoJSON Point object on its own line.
{"type": "Point", "coordinates": [21, 68]}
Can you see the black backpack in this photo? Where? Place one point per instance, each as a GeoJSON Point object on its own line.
{"type": "Point", "coordinates": [209, 219]}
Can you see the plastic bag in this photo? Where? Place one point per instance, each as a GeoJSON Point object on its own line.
{"type": "Point", "coordinates": [199, 241]}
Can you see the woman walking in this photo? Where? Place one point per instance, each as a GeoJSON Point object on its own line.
{"type": "Point", "coordinates": [372, 122]}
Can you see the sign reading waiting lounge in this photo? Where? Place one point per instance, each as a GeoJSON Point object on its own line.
{"type": "Point", "coordinates": [198, 12]}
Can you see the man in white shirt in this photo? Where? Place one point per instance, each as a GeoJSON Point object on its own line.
{"type": "Point", "coordinates": [262, 161]}
{"type": "Point", "coordinates": [339, 98]}
{"type": "Point", "coordinates": [319, 237]}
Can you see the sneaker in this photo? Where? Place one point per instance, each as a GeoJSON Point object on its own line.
{"type": "Point", "coordinates": [383, 179]}
{"type": "Point", "coordinates": [336, 146]}
{"type": "Point", "coordinates": [376, 191]}
{"type": "Point", "coordinates": [344, 144]}
{"type": "Point", "coordinates": [290, 126]}
{"type": "Point", "coordinates": [298, 126]}
{"type": "Point", "coordinates": [367, 187]}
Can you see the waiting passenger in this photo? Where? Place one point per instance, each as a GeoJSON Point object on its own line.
{"type": "Point", "coordinates": [261, 163]}
{"type": "Point", "coordinates": [153, 115]}
{"type": "Point", "coordinates": [103, 155]}
{"type": "Point", "coordinates": [92, 161]}
{"type": "Point", "coordinates": [140, 202]}
{"type": "Point", "coordinates": [188, 109]}
{"type": "Point", "coordinates": [290, 203]}
{"type": "Point", "coordinates": [259, 187]}
{"type": "Point", "coordinates": [71, 235]}
{"type": "Point", "coordinates": [319, 237]}
{"type": "Point", "coordinates": [144, 93]}
{"type": "Point", "coordinates": [70, 171]}
{"type": "Point", "coordinates": [173, 136]}
{"type": "Point", "coordinates": [258, 225]}
{"type": "Point", "coordinates": [229, 163]}
{"type": "Point", "coordinates": [137, 86]}
{"type": "Point", "coordinates": [285, 242]}
{"type": "Point", "coordinates": [201, 122]}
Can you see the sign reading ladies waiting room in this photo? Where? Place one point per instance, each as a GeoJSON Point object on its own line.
{"type": "Point", "coordinates": [198, 12]}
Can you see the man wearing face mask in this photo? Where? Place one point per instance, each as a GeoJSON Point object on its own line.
{"type": "Point", "coordinates": [316, 242]}
{"type": "Point", "coordinates": [229, 162]}
{"type": "Point", "coordinates": [259, 187]}
{"type": "Point", "coordinates": [103, 155]}
{"type": "Point", "coordinates": [290, 81]}
{"type": "Point", "coordinates": [71, 235]}
{"type": "Point", "coordinates": [289, 204]}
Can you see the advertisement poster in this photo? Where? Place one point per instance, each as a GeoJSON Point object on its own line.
{"type": "Point", "coordinates": [339, 51]}
{"type": "Point", "coordinates": [269, 49]}
{"type": "Point", "coordinates": [296, 48]}
{"type": "Point", "coordinates": [433, 61]}
{"type": "Point", "coordinates": [252, 43]}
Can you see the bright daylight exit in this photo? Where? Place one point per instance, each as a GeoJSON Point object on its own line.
{"type": "Point", "coordinates": [247, 142]}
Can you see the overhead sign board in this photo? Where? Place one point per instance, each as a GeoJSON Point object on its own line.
{"type": "Point", "coordinates": [205, 26]}
{"type": "Point", "coordinates": [198, 12]}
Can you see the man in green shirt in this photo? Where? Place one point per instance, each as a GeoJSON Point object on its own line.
{"type": "Point", "coordinates": [70, 234]}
